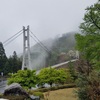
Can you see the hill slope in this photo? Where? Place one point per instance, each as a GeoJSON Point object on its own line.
{"type": "Point", "coordinates": [57, 46]}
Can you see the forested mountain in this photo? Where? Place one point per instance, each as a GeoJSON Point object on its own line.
{"type": "Point", "coordinates": [43, 57]}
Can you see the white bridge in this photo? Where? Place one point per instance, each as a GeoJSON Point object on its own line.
{"type": "Point", "coordinates": [27, 33]}
{"type": "Point", "coordinates": [58, 65]}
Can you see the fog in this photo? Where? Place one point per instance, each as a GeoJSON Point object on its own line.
{"type": "Point", "coordinates": [47, 19]}
{"type": "Point", "coordinates": [39, 53]}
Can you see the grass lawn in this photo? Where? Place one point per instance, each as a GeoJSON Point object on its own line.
{"type": "Point", "coordinates": [62, 94]}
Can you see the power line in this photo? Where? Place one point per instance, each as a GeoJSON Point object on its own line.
{"type": "Point", "coordinates": [12, 40]}
{"type": "Point", "coordinates": [11, 37]}
{"type": "Point", "coordinates": [41, 43]}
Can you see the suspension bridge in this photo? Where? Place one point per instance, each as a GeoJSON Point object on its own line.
{"type": "Point", "coordinates": [26, 63]}
{"type": "Point", "coordinates": [27, 34]}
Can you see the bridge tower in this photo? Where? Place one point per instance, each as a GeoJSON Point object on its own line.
{"type": "Point", "coordinates": [26, 64]}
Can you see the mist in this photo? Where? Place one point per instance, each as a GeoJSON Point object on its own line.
{"type": "Point", "coordinates": [39, 53]}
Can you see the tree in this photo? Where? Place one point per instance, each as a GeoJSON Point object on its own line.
{"type": "Point", "coordinates": [72, 71]}
{"type": "Point", "coordinates": [11, 64]}
{"type": "Point", "coordinates": [91, 24]}
{"type": "Point", "coordinates": [88, 43]}
{"type": "Point", "coordinates": [51, 75]}
{"type": "Point", "coordinates": [14, 63]}
{"type": "Point", "coordinates": [26, 78]}
{"type": "Point", "coordinates": [7, 69]}
{"type": "Point", "coordinates": [3, 58]}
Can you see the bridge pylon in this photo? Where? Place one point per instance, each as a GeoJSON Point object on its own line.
{"type": "Point", "coordinates": [26, 63]}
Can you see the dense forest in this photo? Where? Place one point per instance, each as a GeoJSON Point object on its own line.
{"type": "Point", "coordinates": [9, 65]}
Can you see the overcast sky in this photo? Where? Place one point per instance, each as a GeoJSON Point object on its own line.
{"type": "Point", "coordinates": [47, 18]}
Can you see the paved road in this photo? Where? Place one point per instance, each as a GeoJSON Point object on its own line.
{"type": "Point", "coordinates": [2, 86]}
{"type": "Point", "coordinates": [2, 89]}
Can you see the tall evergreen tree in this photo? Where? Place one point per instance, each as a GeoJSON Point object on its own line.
{"type": "Point", "coordinates": [16, 62]}
{"type": "Point", "coordinates": [13, 64]}
{"type": "Point", "coordinates": [3, 58]}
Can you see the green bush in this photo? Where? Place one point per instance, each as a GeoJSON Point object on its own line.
{"type": "Point", "coordinates": [82, 94]}
{"type": "Point", "coordinates": [26, 78]}
{"type": "Point", "coordinates": [51, 75]}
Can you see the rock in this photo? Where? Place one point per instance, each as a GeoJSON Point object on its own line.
{"type": "Point", "coordinates": [15, 89]}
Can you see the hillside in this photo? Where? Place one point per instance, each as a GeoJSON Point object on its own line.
{"type": "Point", "coordinates": [58, 46]}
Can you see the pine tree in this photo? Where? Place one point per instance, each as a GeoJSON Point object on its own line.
{"type": "Point", "coordinates": [3, 58]}
{"type": "Point", "coordinates": [16, 62]}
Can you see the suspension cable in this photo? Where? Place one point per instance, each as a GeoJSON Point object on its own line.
{"type": "Point", "coordinates": [11, 37]}
{"type": "Point", "coordinates": [40, 42]}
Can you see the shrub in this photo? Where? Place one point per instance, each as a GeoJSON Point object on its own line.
{"type": "Point", "coordinates": [51, 75]}
{"type": "Point", "coordinates": [26, 78]}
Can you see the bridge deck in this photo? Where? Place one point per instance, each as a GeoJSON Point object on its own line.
{"type": "Point", "coordinates": [58, 65]}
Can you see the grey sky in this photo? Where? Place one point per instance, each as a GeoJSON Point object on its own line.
{"type": "Point", "coordinates": [46, 18]}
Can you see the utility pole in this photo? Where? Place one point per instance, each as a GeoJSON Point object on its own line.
{"type": "Point", "coordinates": [26, 64]}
